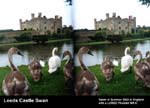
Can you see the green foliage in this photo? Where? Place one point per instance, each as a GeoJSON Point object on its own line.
{"type": "Point", "coordinates": [120, 85]}
{"type": "Point", "coordinates": [55, 35]}
{"type": "Point", "coordinates": [69, 1]}
{"type": "Point", "coordinates": [114, 38]}
{"type": "Point", "coordinates": [145, 2]}
{"type": "Point", "coordinates": [103, 35]}
{"type": "Point", "coordinates": [147, 34]}
{"type": "Point", "coordinates": [67, 31]}
{"type": "Point", "coordinates": [49, 85]}
{"type": "Point", "coordinates": [40, 38]}
{"type": "Point", "coordinates": [53, 85]}
{"type": "Point", "coordinates": [141, 33]}
{"type": "Point", "coordinates": [2, 37]}
{"type": "Point", "coordinates": [100, 35]}
{"type": "Point", "coordinates": [24, 37]}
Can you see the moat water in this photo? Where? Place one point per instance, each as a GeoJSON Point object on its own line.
{"type": "Point", "coordinates": [113, 50]}
{"type": "Point", "coordinates": [99, 52]}
{"type": "Point", "coordinates": [36, 50]}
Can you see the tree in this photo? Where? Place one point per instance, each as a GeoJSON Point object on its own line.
{"type": "Point", "coordinates": [69, 1]}
{"type": "Point", "coordinates": [145, 2]}
{"type": "Point", "coordinates": [67, 31]}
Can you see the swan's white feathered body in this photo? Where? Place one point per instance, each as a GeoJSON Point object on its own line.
{"type": "Point", "coordinates": [126, 61]}
{"type": "Point", "coordinates": [115, 63]}
{"type": "Point", "coordinates": [54, 62]}
{"type": "Point", "coordinates": [42, 63]}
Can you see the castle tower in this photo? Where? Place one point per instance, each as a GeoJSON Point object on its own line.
{"type": "Point", "coordinates": [56, 17]}
{"type": "Point", "coordinates": [60, 18]}
{"type": "Point", "coordinates": [134, 18]}
{"type": "Point", "coordinates": [130, 17]}
{"type": "Point", "coordinates": [32, 16]}
{"type": "Point", "coordinates": [95, 21]}
{"type": "Point", "coordinates": [20, 21]}
{"type": "Point", "coordinates": [107, 15]}
{"type": "Point", "coordinates": [39, 14]}
{"type": "Point", "coordinates": [61, 21]}
{"type": "Point", "coordinates": [114, 15]}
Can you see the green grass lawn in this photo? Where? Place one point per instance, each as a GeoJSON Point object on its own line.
{"type": "Point", "coordinates": [53, 85]}
{"type": "Point", "coordinates": [121, 84]}
{"type": "Point", "coordinates": [31, 42]}
{"type": "Point", "coordinates": [49, 85]}
{"type": "Point", "coordinates": [108, 42]}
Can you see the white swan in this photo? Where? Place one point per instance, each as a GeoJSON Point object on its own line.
{"type": "Point", "coordinates": [42, 63]}
{"type": "Point", "coordinates": [54, 61]}
{"type": "Point", "coordinates": [115, 62]}
{"type": "Point", "coordinates": [126, 61]}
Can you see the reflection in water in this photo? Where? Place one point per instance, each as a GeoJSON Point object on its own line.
{"type": "Point", "coordinates": [113, 50]}
{"type": "Point", "coordinates": [45, 51]}
{"type": "Point", "coordinates": [30, 51]}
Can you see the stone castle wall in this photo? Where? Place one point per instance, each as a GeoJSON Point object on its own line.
{"type": "Point", "coordinates": [117, 24]}
{"type": "Point", "coordinates": [42, 25]}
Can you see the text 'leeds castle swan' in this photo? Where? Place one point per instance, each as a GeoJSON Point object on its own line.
{"type": "Point", "coordinates": [42, 25]}
{"type": "Point", "coordinates": [117, 24]}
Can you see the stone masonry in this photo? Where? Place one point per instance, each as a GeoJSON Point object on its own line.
{"type": "Point", "coordinates": [42, 25]}
{"type": "Point", "coordinates": [117, 25]}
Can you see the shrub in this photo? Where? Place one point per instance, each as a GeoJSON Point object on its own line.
{"type": "Point", "coordinates": [100, 36]}
{"type": "Point", "coordinates": [2, 37]}
{"type": "Point", "coordinates": [114, 38]}
{"type": "Point", "coordinates": [26, 36]}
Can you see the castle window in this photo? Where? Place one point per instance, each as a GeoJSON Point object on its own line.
{"type": "Point", "coordinates": [119, 28]}
{"type": "Point", "coordinates": [119, 22]}
{"type": "Point", "coordinates": [44, 22]}
{"type": "Point", "coordinates": [45, 28]}
{"type": "Point", "coordinates": [126, 28]}
{"type": "Point", "coordinates": [58, 30]}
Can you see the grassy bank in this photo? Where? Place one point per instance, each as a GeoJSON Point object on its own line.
{"type": "Point", "coordinates": [107, 42]}
{"type": "Point", "coordinates": [27, 43]}
{"type": "Point", "coordinates": [53, 85]}
{"type": "Point", "coordinates": [49, 85]}
{"type": "Point", "coordinates": [58, 40]}
{"type": "Point", "coordinates": [121, 84]}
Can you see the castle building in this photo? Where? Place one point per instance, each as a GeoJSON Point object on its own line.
{"type": "Point", "coordinates": [42, 25]}
{"type": "Point", "coordinates": [117, 25]}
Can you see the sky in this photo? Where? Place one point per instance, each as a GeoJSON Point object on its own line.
{"type": "Point", "coordinates": [81, 14]}
{"type": "Point", "coordinates": [13, 10]}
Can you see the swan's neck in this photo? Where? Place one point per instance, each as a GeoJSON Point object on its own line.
{"type": "Point", "coordinates": [148, 59]}
{"type": "Point", "coordinates": [13, 68]}
{"type": "Point", "coordinates": [83, 67]}
{"type": "Point", "coordinates": [139, 59]}
{"type": "Point", "coordinates": [126, 52]}
{"type": "Point", "coordinates": [53, 52]}
{"type": "Point", "coordinates": [69, 59]}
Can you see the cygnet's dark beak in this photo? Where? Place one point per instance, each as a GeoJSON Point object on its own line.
{"type": "Point", "coordinates": [19, 53]}
{"type": "Point", "coordinates": [89, 52]}
{"type": "Point", "coordinates": [63, 56]}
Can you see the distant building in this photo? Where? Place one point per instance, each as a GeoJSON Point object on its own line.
{"type": "Point", "coordinates": [117, 25]}
{"type": "Point", "coordinates": [42, 25]}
